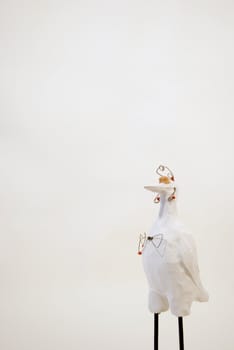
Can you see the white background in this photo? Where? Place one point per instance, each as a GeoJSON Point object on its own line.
{"type": "Point", "coordinates": [94, 96]}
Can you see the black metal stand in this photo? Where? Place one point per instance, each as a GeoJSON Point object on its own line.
{"type": "Point", "coordinates": [155, 331]}
{"type": "Point", "coordinates": [181, 333]}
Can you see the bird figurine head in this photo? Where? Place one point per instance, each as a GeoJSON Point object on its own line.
{"type": "Point", "coordinates": [166, 184]}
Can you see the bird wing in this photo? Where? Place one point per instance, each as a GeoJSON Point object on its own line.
{"type": "Point", "coordinates": [188, 259]}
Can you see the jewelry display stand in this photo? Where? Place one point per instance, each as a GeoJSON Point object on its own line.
{"type": "Point", "coordinates": [169, 259]}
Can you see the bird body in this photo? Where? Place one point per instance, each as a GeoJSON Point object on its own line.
{"type": "Point", "coordinates": [170, 261]}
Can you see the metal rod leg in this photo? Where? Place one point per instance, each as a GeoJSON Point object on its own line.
{"type": "Point", "coordinates": [181, 333]}
{"type": "Point", "coordinates": [155, 331]}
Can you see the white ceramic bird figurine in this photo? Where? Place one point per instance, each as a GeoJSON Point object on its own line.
{"type": "Point", "coordinates": [169, 255]}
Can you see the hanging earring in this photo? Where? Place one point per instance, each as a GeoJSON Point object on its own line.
{"type": "Point", "coordinates": [141, 243]}
{"type": "Point", "coordinates": [163, 170]}
{"type": "Point", "coordinates": [157, 199]}
{"type": "Point", "coordinates": [172, 196]}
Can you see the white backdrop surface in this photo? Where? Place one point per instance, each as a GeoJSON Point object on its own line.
{"type": "Point", "coordinates": [94, 96]}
